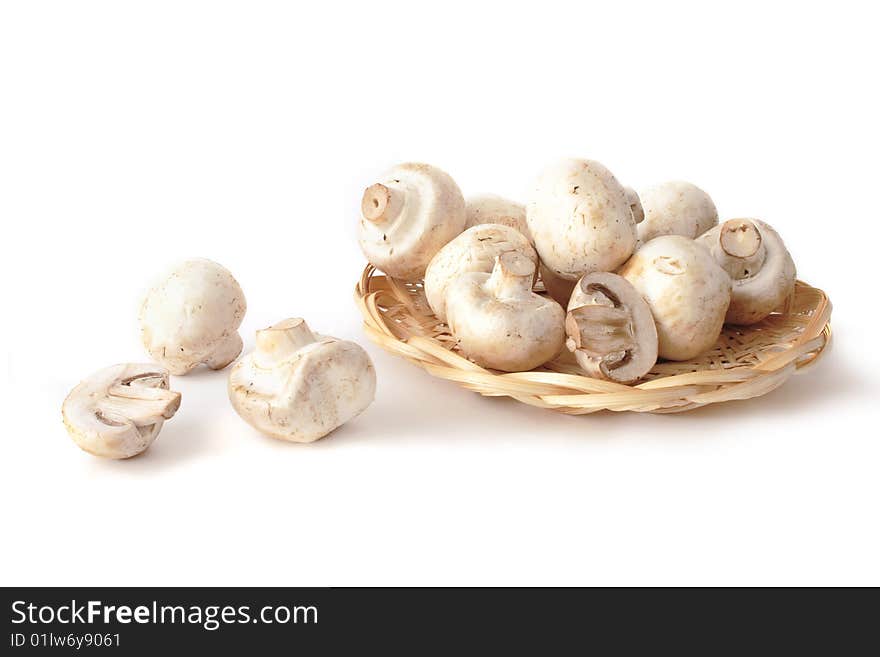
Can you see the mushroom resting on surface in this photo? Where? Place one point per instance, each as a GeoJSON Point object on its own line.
{"type": "Point", "coordinates": [475, 250]}
{"type": "Point", "coordinates": [492, 209]}
{"type": "Point", "coordinates": [408, 217]}
{"type": "Point", "coordinates": [118, 411]}
{"type": "Point", "coordinates": [499, 322]}
{"type": "Point", "coordinates": [755, 258]}
{"type": "Point", "coordinates": [676, 208]}
{"type": "Point", "coordinates": [580, 219]}
{"type": "Point", "coordinates": [299, 386]}
{"type": "Point", "coordinates": [191, 317]}
{"type": "Point", "coordinates": [610, 329]}
{"type": "Point", "coordinates": [687, 291]}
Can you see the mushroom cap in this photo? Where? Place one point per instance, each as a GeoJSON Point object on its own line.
{"type": "Point", "coordinates": [191, 316]}
{"type": "Point", "coordinates": [408, 217]}
{"type": "Point", "coordinates": [475, 250]}
{"type": "Point", "coordinates": [499, 322]}
{"type": "Point", "coordinates": [676, 208]}
{"type": "Point", "coordinates": [755, 257]}
{"type": "Point", "coordinates": [580, 219]}
{"type": "Point", "coordinates": [493, 209]}
{"type": "Point", "coordinates": [610, 329]}
{"type": "Point", "coordinates": [299, 386]}
{"type": "Point", "coordinates": [118, 411]}
{"type": "Point", "coordinates": [687, 291]}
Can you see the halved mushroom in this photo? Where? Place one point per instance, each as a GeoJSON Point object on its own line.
{"type": "Point", "coordinates": [298, 386]}
{"type": "Point", "coordinates": [499, 322]}
{"type": "Point", "coordinates": [755, 258]}
{"type": "Point", "coordinates": [191, 317]}
{"type": "Point", "coordinates": [580, 219]}
{"type": "Point", "coordinates": [408, 217]}
{"type": "Point", "coordinates": [118, 411]}
{"type": "Point", "coordinates": [475, 250]}
{"type": "Point", "coordinates": [610, 329]}
{"type": "Point", "coordinates": [687, 291]}
{"type": "Point", "coordinates": [676, 208]}
{"type": "Point", "coordinates": [492, 209]}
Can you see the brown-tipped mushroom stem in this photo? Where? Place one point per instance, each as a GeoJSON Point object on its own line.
{"type": "Point", "coordinates": [512, 276]}
{"type": "Point", "coordinates": [381, 203]}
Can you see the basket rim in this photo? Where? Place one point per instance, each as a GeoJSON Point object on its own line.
{"type": "Point", "coordinates": [546, 387]}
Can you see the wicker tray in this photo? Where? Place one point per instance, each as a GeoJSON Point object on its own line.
{"type": "Point", "coordinates": [745, 362]}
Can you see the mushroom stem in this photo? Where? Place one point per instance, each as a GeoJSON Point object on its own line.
{"type": "Point", "coordinates": [740, 249]}
{"type": "Point", "coordinates": [512, 275]}
{"type": "Point", "coordinates": [279, 342]}
{"type": "Point", "coordinates": [381, 203]}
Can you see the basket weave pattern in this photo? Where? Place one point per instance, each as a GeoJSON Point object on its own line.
{"type": "Point", "coordinates": [745, 362]}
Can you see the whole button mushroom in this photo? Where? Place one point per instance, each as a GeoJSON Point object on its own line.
{"type": "Point", "coordinates": [492, 209]}
{"type": "Point", "coordinates": [687, 291]}
{"type": "Point", "coordinates": [499, 322]}
{"type": "Point", "coordinates": [610, 329]}
{"type": "Point", "coordinates": [298, 386]}
{"type": "Point", "coordinates": [676, 208]}
{"type": "Point", "coordinates": [118, 411]}
{"type": "Point", "coordinates": [755, 258]}
{"type": "Point", "coordinates": [191, 317]}
{"type": "Point", "coordinates": [475, 250]}
{"type": "Point", "coordinates": [580, 219]}
{"type": "Point", "coordinates": [408, 217]}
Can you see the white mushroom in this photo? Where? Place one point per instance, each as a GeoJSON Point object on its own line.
{"type": "Point", "coordinates": [492, 209]}
{"type": "Point", "coordinates": [299, 386]}
{"type": "Point", "coordinates": [475, 250]}
{"type": "Point", "coordinates": [676, 208]}
{"type": "Point", "coordinates": [191, 317]}
{"type": "Point", "coordinates": [499, 322]}
{"type": "Point", "coordinates": [408, 217]}
{"type": "Point", "coordinates": [688, 293]}
{"type": "Point", "coordinates": [635, 205]}
{"type": "Point", "coordinates": [755, 257]}
{"type": "Point", "coordinates": [580, 219]}
{"type": "Point", "coordinates": [118, 411]}
{"type": "Point", "coordinates": [610, 329]}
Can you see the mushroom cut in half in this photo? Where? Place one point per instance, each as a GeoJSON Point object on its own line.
{"type": "Point", "coordinates": [499, 322]}
{"type": "Point", "coordinates": [610, 329]}
{"type": "Point", "coordinates": [407, 217]}
{"type": "Point", "coordinates": [299, 386]}
{"type": "Point", "coordinates": [675, 208]}
{"type": "Point", "coordinates": [687, 291]}
{"type": "Point", "coordinates": [581, 219]}
{"type": "Point", "coordinates": [118, 411]}
{"type": "Point", "coordinates": [475, 250]}
{"type": "Point", "coordinates": [755, 258]}
{"type": "Point", "coordinates": [191, 317]}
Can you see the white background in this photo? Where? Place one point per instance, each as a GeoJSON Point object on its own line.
{"type": "Point", "coordinates": [135, 134]}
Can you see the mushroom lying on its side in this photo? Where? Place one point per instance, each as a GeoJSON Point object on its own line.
{"type": "Point", "coordinates": [408, 217]}
{"type": "Point", "coordinates": [298, 386]}
{"type": "Point", "coordinates": [118, 411]}
{"type": "Point", "coordinates": [580, 219]}
{"type": "Point", "coordinates": [191, 317]}
{"type": "Point", "coordinates": [474, 250]}
{"type": "Point", "coordinates": [755, 258]}
{"type": "Point", "coordinates": [492, 209]}
{"type": "Point", "coordinates": [499, 322]}
{"type": "Point", "coordinates": [610, 329]}
{"type": "Point", "coordinates": [676, 208]}
{"type": "Point", "coordinates": [687, 291]}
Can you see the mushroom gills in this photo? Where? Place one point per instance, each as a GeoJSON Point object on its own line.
{"type": "Point", "coordinates": [603, 331]}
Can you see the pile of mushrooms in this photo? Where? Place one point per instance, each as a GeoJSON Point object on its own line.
{"type": "Point", "coordinates": [620, 278]}
{"type": "Point", "coordinates": [295, 386]}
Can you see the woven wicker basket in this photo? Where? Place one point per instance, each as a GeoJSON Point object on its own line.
{"type": "Point", "coordinates": [745, 362]}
